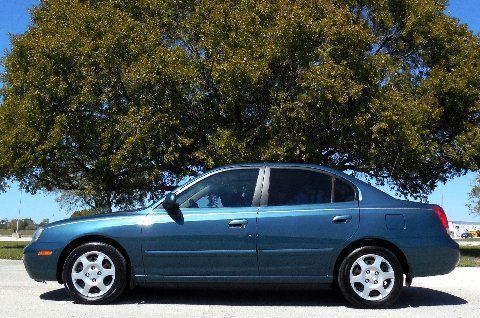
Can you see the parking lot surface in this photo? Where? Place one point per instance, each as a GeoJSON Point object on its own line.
{"type": "Point", "coordinates": [453, 295]}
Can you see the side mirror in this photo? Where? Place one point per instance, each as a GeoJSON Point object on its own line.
{"type": "Point", "coordinates": [170, 202]}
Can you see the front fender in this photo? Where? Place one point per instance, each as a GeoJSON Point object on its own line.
{"type": "Point", "coordinates": [60, 238]}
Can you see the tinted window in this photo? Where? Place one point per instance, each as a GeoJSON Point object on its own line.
{"type": "Point", "coordinates": [343, 192]}
{"type": "Point", "coordinates": [295, 186]}
{"type": "Point", "coordinates": [234, 188]}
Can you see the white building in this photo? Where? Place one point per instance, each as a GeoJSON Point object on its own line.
{"type": "Point", "coordinates": [457, 228]}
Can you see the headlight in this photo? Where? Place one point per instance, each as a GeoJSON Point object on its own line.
{"type": "Point", "coordinates": [37, 234]}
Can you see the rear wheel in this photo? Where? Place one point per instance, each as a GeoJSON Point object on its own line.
{"type": "Point", "coordinates": [371, 277]}
{"type": "Point", "coordinates": [95, 273]}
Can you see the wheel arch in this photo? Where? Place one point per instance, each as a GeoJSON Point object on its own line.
{"type": "Point", "coordinates": [89, 239]}
{"type": "Point", "coordinates": [371, 242]}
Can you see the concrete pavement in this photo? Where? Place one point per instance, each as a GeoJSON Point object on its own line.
{"type": "Point", "coordinates": [15, 239]}
{"type": "Point", "coordinates": [453, 295]}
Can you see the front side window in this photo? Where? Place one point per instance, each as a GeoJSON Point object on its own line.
{"type": "Point", "coordinates": [227, 189]}
{"type": "Point", "coordinates": [297, 186]}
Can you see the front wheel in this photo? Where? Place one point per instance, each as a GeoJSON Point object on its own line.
{"type": "Point", "coordinates": [371, 277]}
{"type": "Point", "coordinates": [95, 273]}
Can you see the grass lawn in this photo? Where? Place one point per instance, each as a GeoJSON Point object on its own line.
{"type": "Point", "coordinates": [12, 250]}
{"type": "Point", "coordinates": [470, 255]}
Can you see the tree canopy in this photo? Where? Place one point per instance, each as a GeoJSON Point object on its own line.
{"type": "Point", "coordinates": [111, 101]}
{"type": "Point", "coordinates": [474, 196]}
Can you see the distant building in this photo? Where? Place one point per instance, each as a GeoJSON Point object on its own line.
{"type": "Point", "coordinates": [457, 228]}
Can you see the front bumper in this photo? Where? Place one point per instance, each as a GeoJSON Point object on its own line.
{"type": "Point", "coordinates": [41, 268]}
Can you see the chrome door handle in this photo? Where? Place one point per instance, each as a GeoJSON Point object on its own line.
{"type": "Point", "coordinates": [342, 218]}
{"type": "Point", "coordinates": [238, 224]}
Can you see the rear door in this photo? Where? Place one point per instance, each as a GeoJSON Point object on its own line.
{"type": "Point", "coordinates": [304, 215]}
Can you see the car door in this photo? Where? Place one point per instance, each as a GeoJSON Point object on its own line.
{"type": "Point", "coordinates": [214, 233]}
{"type": "Point", "coordinates": [302, 220]}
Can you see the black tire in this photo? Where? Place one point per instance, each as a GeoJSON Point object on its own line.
{"type": "Point", "coordinates": [349, 292]}
{"type": "Point", "coordinates": [117, 286]}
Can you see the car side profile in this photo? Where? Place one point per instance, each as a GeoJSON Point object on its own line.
{"type": "Point", "coordinates": [252, 223]}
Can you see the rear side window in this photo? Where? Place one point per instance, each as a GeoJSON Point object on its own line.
{"type": "Point", "coordinates": [296, 186]}
{"type": "Point", "coordinates": [343, 192]}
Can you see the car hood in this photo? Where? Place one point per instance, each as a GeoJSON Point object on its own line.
{"type": "Point", "coordinates": [119, 214]}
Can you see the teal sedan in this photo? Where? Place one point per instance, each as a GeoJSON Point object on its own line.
{"type": "Point", "coordinates": [252, 223]}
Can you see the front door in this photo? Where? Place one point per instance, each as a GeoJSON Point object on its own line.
{"type": "Point", "coordinates": [305, 215]}
{"type": "Point", "coordinates": [215, 232]}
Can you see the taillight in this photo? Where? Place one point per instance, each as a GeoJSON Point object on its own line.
{"type": "Point", "coordinates": [441, 216]}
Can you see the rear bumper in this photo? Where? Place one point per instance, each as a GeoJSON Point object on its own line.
{"type": "Point", "coordinates": [431, 256]}
{"type": "Point", "coordinates": [41, 268]}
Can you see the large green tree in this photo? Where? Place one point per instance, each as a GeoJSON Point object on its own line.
{"type": "Point", "coordinates": [113, 100]}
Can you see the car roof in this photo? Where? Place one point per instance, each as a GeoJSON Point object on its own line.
{"type": "Point", "coordinates": [293, 165]}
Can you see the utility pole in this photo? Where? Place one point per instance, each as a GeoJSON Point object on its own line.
{"type": "Point", "coordinates": [19, 209]}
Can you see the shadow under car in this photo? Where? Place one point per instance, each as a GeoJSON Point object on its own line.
{"type": "Point", "coordinates": [263, 296]}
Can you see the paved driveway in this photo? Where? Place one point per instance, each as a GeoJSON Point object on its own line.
{"type": "Point", "coordinates": [453, 295]}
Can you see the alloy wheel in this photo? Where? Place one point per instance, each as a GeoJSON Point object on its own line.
{"type": "Point", "coordinates": [93, 274]}
{"type": "Point", "coordinates": [372, 277]}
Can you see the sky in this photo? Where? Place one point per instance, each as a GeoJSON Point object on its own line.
{"type": "Point", "coordinates": [14, 19]}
